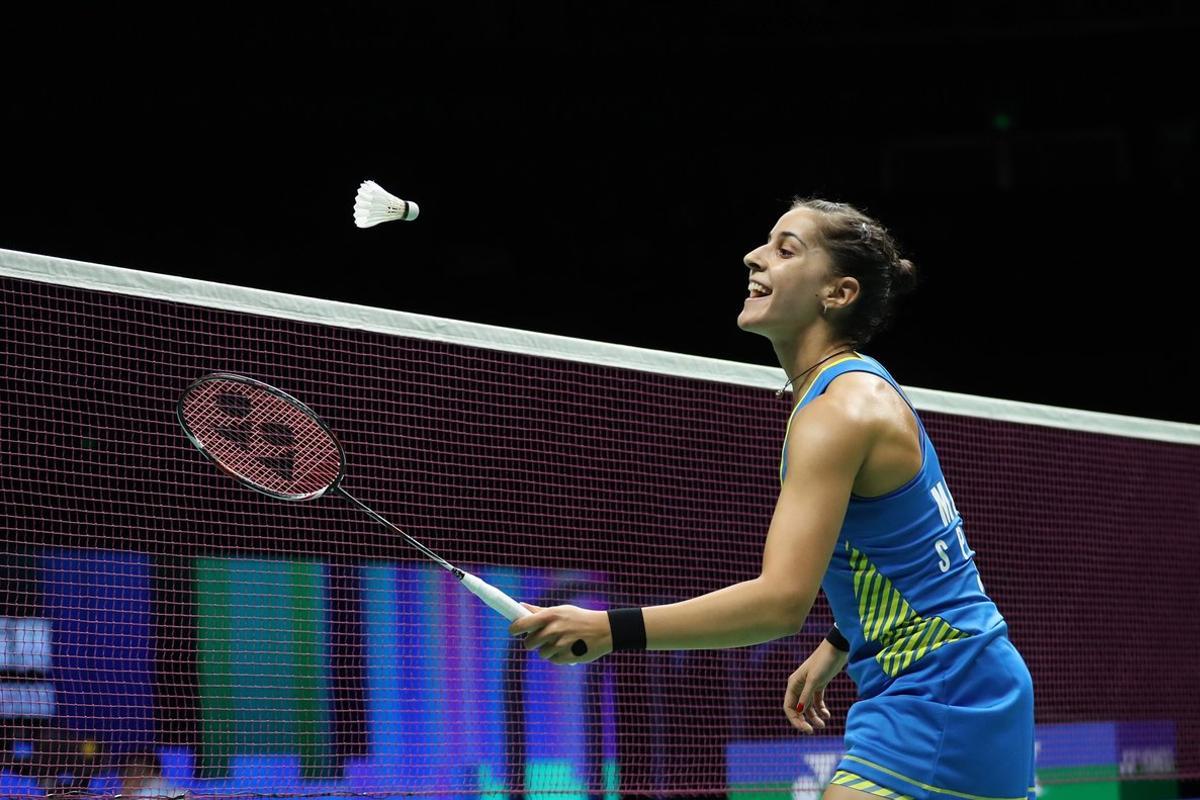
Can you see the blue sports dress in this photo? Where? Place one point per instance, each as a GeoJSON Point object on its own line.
{"type": "Point", "coordinates": [945, 706]}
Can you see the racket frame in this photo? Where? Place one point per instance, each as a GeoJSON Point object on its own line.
{"type": "Point", "coordinates": [332, 486]}
{"type": "Point", "coordinates": [493, 597]}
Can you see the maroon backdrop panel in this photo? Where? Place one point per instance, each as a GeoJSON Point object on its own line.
{"type": "Point", "coordinates": [1087, 542]}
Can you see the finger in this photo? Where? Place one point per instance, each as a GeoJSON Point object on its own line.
{"type": "Point", "coordinates": [811, 708]}
{"type": "Point", "coordinates": [810, 713]}
{"type": "Point", "coordinates": [550, 643]}
{"type": "Point", "coordinates": [534, 638]}
{"type": "Point", "coordinates": [545, 642]}
{"type": "Point", "coordinates": [536, 619]}
{"type": "Point", "coordinates": [804, 706]}
{"type": "Point", "coordinates": [791, 695]}
{"type": "Point", "coordinates": [791, 701]}
{"type": "Point", "coordinates": [526, 625]}
{"type": "Point", "coordinates": [563, 658]}
{"type": "Point", "coordinates": [819, 702]}
{"type": "Point", "coordinates": [565, 642]}
{"type": "Point", "coordinates": [790, 698]}
{"type": "Point", "coordinates": [794, 706]}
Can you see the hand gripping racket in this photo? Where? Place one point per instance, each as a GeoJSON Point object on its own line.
{"type": "Point", "coordinates": [276, 445]}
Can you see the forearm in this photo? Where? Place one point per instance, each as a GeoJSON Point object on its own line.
{"type": "Point", "coordinates": [743, 614]}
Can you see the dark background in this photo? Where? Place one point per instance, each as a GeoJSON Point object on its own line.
{"type": "Point", "coordinates": [600, 172]}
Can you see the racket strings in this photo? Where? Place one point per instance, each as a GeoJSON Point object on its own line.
{"type": "Point", "coordinates": [265, 439]}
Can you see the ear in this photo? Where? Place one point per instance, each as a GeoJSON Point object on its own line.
{"type": "Point", "coordinates": [843, 291]}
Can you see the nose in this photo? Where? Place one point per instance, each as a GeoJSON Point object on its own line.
{"type": "Point", "coordinates": [751, 260]}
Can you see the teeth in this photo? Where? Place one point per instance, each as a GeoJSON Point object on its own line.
{"type": "Point", "coordinates": [758, 290]}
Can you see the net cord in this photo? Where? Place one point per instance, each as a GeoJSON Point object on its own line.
{"type": "Point", "coordinates": [209, 294]}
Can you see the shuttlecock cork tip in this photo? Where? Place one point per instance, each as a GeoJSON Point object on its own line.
{"type": "Point", "coordinates": [374, 205]}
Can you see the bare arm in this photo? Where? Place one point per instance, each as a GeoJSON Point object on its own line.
{"type": "Point", "coordinates": [826, 448]}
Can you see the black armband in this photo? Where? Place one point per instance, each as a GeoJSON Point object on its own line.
{"type": "Point", "coordinates": [628, 628]}
{"type": "Point", "coordinates": [835, 638]}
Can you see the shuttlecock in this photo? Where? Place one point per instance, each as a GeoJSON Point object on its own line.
{"type": "Point", "coordinates": [373, 205]}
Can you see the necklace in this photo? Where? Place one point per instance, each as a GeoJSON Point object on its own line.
{"type": "Point", "coordinates": [810, 369]}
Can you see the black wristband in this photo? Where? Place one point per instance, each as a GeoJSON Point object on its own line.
{"type": "Point", "coordinates": [628, 628]}
{"type": "Point", "coordinates": [835, 638]}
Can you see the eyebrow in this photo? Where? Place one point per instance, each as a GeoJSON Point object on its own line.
{"type": "Point", "coordinates": [771, 236]}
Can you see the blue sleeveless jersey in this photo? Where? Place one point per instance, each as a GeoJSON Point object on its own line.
{"type": "Point", "coordinates": [945, 703]}
{"type": "Point", "coordinates": [902, 582]}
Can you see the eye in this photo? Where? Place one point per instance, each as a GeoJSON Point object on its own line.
{"type": "Point", "coordinates": [783, 251]}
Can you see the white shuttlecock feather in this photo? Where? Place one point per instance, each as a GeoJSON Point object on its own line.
{"type": "Point", "coordinates": [373, 205]}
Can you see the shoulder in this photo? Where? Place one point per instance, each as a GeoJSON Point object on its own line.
{"type": "Point", "coordinates": [849, 415]}
{"type": "Point", "coordinates": [838, 427]}
{"type": "Point", "coordinates": [858, 399]}
{"type": "Point", "coordinates": [862, 395]}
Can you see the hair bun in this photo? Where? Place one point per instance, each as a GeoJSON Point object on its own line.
{"type": "Point", "coordinates": [904, 276]}
{"type": "Point", "coordinates": [861, 248]}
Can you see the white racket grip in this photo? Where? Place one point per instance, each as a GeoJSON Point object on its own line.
{"type": "Point", "coordinates": [508, 608]}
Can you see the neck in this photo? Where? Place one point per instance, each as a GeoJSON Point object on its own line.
{"type": "Point", "coordinates": [802, 354]}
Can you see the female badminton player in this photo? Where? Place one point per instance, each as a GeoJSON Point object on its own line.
{"type": "Point", "coordinates": [945, 705]}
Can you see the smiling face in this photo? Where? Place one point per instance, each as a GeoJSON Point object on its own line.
{"type": "Point", "coordinates": [791, 277]}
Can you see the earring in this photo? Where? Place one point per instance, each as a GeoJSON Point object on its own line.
{"type": "Point", "coordinates": [824, 308]}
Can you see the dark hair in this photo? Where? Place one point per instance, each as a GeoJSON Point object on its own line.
{"type": "Point", "coordinates": [863, 249]}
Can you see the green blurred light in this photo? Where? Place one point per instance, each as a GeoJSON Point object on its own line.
{"type": "Point", "coordinates": [1002, 121]}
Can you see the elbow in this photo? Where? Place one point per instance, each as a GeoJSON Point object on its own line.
{"type": "Point", "coordinates": [792, 618]}
{"type": "Point", "coordinates": [791, 610]}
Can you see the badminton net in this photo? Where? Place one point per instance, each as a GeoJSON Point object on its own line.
{"type": "Point", "coordinates": [164, 629]}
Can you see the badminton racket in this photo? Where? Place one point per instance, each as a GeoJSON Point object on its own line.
{"type": "Point", "coordinates": [271, 442]}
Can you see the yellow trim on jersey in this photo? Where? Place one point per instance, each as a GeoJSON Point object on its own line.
{"type": "Point", "coordinates": [885, 616]}
{"type": "Point", "coordinates": [926, 786]}
{"type": "Point", "coordinates": [856, 357]}
{"type": "Point", "coordinates": [852, 781]}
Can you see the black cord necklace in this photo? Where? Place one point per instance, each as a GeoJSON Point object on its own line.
{"type": "Point", "coordinates": [810, 369]}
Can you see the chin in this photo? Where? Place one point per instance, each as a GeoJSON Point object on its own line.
{"type": "Point", "coordinates": [752, 326]}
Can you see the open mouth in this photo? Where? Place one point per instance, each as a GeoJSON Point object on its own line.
{"type": "Point", "coordinates": [758, 290]}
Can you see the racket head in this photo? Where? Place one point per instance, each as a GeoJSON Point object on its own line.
{"type": "Point", "coordinates": [261, 436]}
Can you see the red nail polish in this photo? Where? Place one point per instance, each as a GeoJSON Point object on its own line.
{"type": "Point", "coordinates": [799, 706]}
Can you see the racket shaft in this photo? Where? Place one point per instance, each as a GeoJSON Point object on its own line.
{"type": "Point", "coordinates": [496, 600]}
{"type": "Point", "coordinates": [370, 512]}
